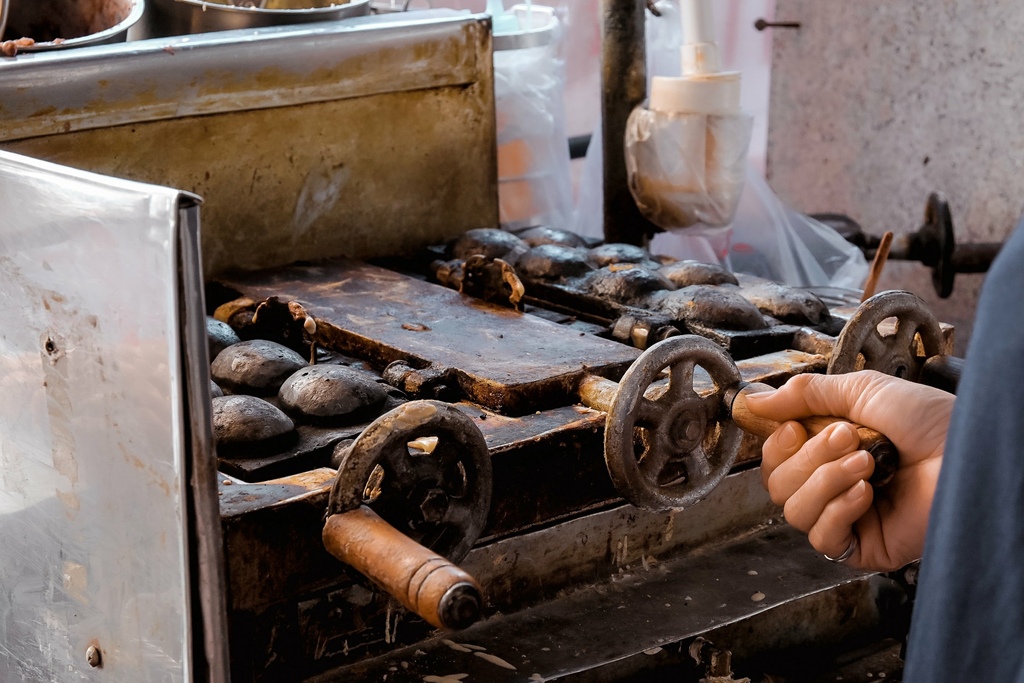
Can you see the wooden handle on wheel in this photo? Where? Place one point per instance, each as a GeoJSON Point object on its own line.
{"type": "Point", "coordinates": [882, 450]}
{"type": "Point", "coordinates": [423, 581]}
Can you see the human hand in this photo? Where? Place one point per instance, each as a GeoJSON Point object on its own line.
{"type": "Point", "coordinates": [822, 482]}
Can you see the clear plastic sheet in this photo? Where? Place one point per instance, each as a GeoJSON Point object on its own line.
{"type": "Point", "coordinates": [686, 169]}
{"type": "Point", "coordinates": [534, 182]}
{"type": "Point", "coordinates": [772, 240]}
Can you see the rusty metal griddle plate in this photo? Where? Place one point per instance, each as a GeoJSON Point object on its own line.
{"type": "Point", "coordinates": [502, 359]}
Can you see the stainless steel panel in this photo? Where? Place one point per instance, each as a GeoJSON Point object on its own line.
{"type": "Point", "coordinates": [305, 142]}
{"type": "Point", "coordinates": [93, 506]}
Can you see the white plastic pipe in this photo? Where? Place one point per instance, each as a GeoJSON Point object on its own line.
{"type": "Point", "coordinates": [699, 52]}
{"type": "Point", "coordinates": [698, 22]}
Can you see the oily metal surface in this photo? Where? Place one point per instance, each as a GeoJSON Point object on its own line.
{"type": "Point", "coordinates": [556, 455]}
{"type": "Point", "coordinates": [527, 568]}
{"type": "Point", "coordinates": [635, 612]}
{"type": "Point", "coordinates": [502, 359]}
{"type": "Point", "coordinates": [277, 565]}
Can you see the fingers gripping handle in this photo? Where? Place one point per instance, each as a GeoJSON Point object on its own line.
{"type": "Point", "coordinates": [882, 450]}
{"type": "Point", "coordinates": [420, 579]}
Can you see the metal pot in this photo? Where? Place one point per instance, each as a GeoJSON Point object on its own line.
{"type": "Point", "coordinates": [62, 24]}
{"type": "Point", "coordinates": [181, 17]}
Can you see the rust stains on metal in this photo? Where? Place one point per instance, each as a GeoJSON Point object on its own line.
{"type": "Point", "coordinates": [502, 359]}
{"type": "Point", "coordinates": [776, 368]}
{"type": "Point", "coordinates": [505, 434]}
{"type": "Point", "coordinates": [238, 498]}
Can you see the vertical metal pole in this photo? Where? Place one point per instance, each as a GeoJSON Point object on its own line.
{"type": "Point", "coordinates": [623, 86]}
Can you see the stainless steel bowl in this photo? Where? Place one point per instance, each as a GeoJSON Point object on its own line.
{"type": "Point", "coordinates": [183, 17]}
{"type": "Point", "coordinates": [64, 24]}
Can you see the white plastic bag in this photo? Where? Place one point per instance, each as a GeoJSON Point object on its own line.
{"type": "Point", "coordinates": [686, 169]}
{"type": "Point", "coordinates": [534, 181]}
{"type": "Point", "coordinates": [771, 240]}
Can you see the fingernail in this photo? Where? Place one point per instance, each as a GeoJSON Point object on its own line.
{"type": "Point", "coordinates": [787, 438]}
{"type": "Point", "coordinates": [857, 462]}
{"type": "Point", "coordinates": [759, 396]}
{"type": "Point", "coordinates": [842, 437]}
{"type": "Point", "coordinates": [858, 490]}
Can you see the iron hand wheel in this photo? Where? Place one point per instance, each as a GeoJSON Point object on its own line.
{"type": "Point", "coordinates": [862, 347]}
{"type": "Point", "coordinates": [439, 497]}
{"type": "Point", "coordinates": [673, 450]}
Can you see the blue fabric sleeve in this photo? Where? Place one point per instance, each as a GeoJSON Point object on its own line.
{"type": "Point", "coordinates": [968, 622]}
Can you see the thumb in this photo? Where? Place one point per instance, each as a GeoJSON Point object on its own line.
{"type": "Point", "coordinates": [808, 395]}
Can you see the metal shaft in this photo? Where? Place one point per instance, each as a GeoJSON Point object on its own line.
{"type": "Point", "coordinates": [598, 393]}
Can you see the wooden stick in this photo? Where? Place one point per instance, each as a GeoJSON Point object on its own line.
{"type": "Point", "coordinates": [881, 256]}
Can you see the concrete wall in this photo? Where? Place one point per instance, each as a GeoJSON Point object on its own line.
{"type": "Point", "coordinates": [874, 105]}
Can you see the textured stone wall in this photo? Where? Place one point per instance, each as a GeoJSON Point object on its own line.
{"type": "Point", "coordinates": [876, 104]}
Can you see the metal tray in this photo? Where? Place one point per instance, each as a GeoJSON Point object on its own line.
{"type": "Point", "coordinates": [181, 17]}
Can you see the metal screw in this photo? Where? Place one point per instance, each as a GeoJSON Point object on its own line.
{"type": "Point", "coordinates": [761, 24]}
{"type": "Point", "coordinates": [94, 656]}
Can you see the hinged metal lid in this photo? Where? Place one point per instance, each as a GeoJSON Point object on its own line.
{"type": "Point", "coordinates": [101, 576]}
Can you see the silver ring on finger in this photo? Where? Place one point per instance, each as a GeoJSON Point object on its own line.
{"type": "Point", "coordinates": [847, 554]}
